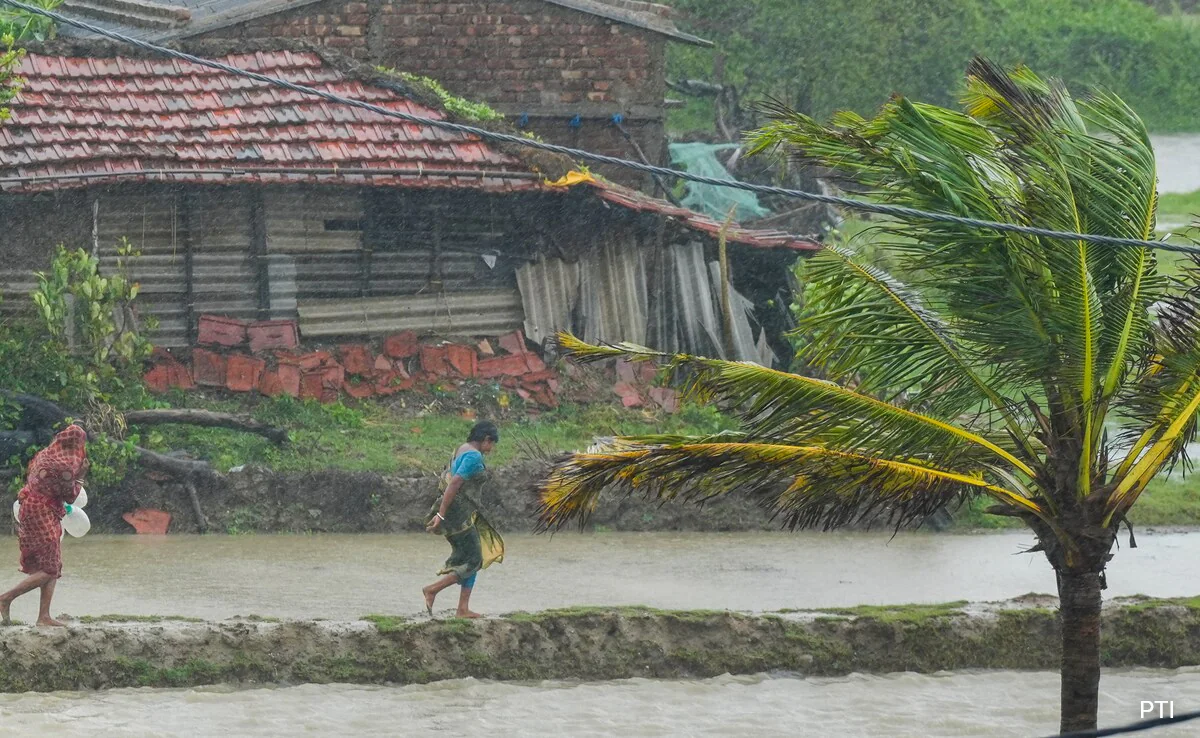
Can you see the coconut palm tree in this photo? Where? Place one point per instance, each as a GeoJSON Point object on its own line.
{"type": "Point", "coordinates": [991, 371]}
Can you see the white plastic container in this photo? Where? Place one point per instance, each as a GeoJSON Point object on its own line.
{"type": "Point", "coordinates": [76, 522]}
{"type": "Point", "coordinates": [81, 500]}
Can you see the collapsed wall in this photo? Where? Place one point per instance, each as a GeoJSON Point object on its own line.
{"type": "Point", "coordinates": [587, 644]}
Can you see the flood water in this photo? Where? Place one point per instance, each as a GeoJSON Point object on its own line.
{"type": "Point", "coordinates": [1178, 159]}
{"type": "Point", "coordinates": [347, 576]}
{"type": "Point", "coordinates": [994, 704]}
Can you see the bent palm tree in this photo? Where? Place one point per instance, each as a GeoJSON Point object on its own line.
{"type": "Point", "coordinates": [992, 372]}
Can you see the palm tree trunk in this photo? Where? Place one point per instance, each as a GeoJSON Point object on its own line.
{"type": "Point", "coordinates": [1079, 607]}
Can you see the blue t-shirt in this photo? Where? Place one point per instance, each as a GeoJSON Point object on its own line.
{"type": "Point", "coordinates": [468, 464]}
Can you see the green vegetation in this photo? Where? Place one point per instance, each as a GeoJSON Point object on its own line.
{"type": "Point", "coordinates": [1179, 207]}
{"type": "Point", "coordinates": [382, 439]}
{"type": "Point", "coordinates": [92, 619]}
{"type": "Point", "coordinates": [900, 613]}
{"type": "Point", "coordinates": [850, 54]}
{"type": "Point", "coordinates": [23, 26]}
{"type": "Point", "coordinates": [459, 106]}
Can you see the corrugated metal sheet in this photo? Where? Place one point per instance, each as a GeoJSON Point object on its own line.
{"type": "Point", "coordinates": [602, 297]}
{"type": "Point", "coordinates": [612, 294]}
{"type": "Point", "coordinates": [481, 313]}
{"type": "Point", "coordinates": [150, 221]}
{"type": "Point", "coordinates": [750, 344]}
{"type": "Point", "coordinates": [691, 310]}
{"type": "Point", "coordinates": [309, 220]}
{"type": "Point", "coordinates": [15, 286]}
{"type": "Point", "coordinates": [549, 294]}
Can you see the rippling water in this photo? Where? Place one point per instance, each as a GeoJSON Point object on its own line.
{"type": "Point", "coordinates": [347, 576]}
{"type": "Point", "coordinates": [1178, 158]}
{"type": "Point", "coordinates": [992, 704]}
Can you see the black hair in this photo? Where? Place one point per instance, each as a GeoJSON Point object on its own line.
{"type": "Point", "coordinates": [484, 430]}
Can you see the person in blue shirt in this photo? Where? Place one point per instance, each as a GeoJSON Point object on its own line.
{"type": "Point", "coordinates": [455, 514]}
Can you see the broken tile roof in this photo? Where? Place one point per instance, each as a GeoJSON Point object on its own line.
{"type": "Point", "coordinates": [86, 120]}
{"type": "Point", "coordinates": [161, 20]}
{"type": "Point", "coordinates": [90, 115]}
{"type": "Point", "coordinates": [641, 202]}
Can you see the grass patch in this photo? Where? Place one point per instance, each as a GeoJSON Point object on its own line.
{"type": "Point", "coordinates": [1179, 206]}
{"type": "Point", "coordinates": [92, 619]}
{"type": "Point", "coordinates": [899, 613]}
{"type": "Point", "coordinates": [375, 438]}
{"type": "Point", "coordinates": [388, 623]}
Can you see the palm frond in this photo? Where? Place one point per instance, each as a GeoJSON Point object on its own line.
{"type": "Point", "coordinates": [1163, 405]}
{"type": "Point", "coordinates": [778, 407]}
{"type": "Point", "coordinates": [860, 322]}
{"type": "Point", "coordinates": [805, 486]}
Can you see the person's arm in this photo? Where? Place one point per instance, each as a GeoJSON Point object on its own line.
{"type": "Point", "coordinates": [448, 496]}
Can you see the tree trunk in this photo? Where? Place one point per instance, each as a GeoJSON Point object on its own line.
{"type": "Point", "coordinates": [1079, 607]}
{"type": "Point", "coordinates": [206, 419]}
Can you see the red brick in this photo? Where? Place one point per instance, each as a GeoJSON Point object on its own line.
{"type": "Point", "coordinates": [270, 384]}
{"type": "Point", "coordinates": [157, 380]}
{"type": "Point", "coordinates": [333, 377]}
{"type": "Point", "coordinates": [179, 377]}
{"type": "Point", "coordinates": [289, 379]}
{"type": "Point", "coordinates": [215, 330]}
{"type": "Point", "coordinates": [360, 390]}
{"type": "Point", "coordinates": [148, 522]}
{"type": "Point", "coordinates": [273, 334]}
{"type": "Point", "coordinates": [434, 361]}
{"type": "Point", "coordinates": [402, 345]}
{"type": "Point", "coordinates": [383, 364]}
{"type": "Point", "coordinates": [463, 359]}
{"type": "Point", "coordinates": [626, 371]}
{"type": "Point", "coordinates": [485, 349]}
{"type": "Point", "coordinates": [315, 360]}
{"type": "Point", "coordinates": [666, 398]}
{"type": "Point", "coordinates": [357, 359]}
{"type": "Point", "coordinates": [208, 368]}
{"type": "Point", "coordinates": [503, 366]}
{"type": "Point", "coordinates": [243, 372]}
{"type": "Point", "coordinates": [534, 364]}
{"type": "Point", "coordinates": [513, 343]}
{"type": "Point", "coordinates": [629, 395]}
{"type": "Point", "coordinates": [545, 398]}
{"type": "Point", "coordinates": [311, 386]}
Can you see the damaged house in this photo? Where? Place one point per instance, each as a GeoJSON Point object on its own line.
{"type": "Point", "coordinates": [253, 202]}
{"type": "Point", "coordinates": [589, 74]}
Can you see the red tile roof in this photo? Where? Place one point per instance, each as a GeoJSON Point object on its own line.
{"type": "Point", "coordinates": [765, 239]}
{"type": "Point", "coordinates": [121, 119]}
{"type": "Point", "coordinates": [81, 121]}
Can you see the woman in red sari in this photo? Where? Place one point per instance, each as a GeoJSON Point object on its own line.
{"type": "Point", "coordinates": [52, 482]}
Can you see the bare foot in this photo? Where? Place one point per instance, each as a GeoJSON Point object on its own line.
{"type": "Point", "coordinates": [429, 598]}
{"type": "Point", "coordinates": [49, 622]}
{"type": "Point", "coordinates": [467, 614]}
{"type": "Point", "coordinates": [5, 619]}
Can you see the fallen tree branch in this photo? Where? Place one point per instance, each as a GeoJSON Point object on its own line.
{"type": "Point", "coordinates": [207, 419]}
{"type": "Point", "coordinates": [185, 468]}
{"type": "Point", "coordinates": [201, 520]}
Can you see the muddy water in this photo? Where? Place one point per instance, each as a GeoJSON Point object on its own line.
{"type": "Point", "coordinates": [1178, 159]}
{"type": "Point", "coordinates": [895, 706]}
{"type": "Point", "coordinates": [345, 577]}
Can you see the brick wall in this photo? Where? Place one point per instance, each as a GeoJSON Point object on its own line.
{"type": "Point", "coordinates": [519, 56]}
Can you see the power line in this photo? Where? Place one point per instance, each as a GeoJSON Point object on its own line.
{"type": "Point", "coordinates": [897, 211]}
{"type": "Point", "coordinates": [1132, 727]}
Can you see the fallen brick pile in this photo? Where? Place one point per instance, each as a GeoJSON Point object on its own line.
{"type": "Point", "coordinates": [266, 357]}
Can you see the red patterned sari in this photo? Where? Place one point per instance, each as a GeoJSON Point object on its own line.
{"type": "Point", "coordinates": [52, 482]}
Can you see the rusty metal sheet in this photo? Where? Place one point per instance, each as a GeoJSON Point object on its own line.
{"type": "Point", "coordinates": [477, 313]}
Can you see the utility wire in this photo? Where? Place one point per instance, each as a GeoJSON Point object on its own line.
{"type": "Point", "coordinates": [1132, 727]}
{"type": "Point", "coordinates": [897, 211]}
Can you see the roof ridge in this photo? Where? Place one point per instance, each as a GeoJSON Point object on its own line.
{"type": "Point", "coordinates": [140, 13]}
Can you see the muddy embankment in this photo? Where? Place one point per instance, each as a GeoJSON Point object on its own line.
{"type": "Point", "coordinates": [258, 500]}
{"type": "Point", "coordinates": [589, 644]}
